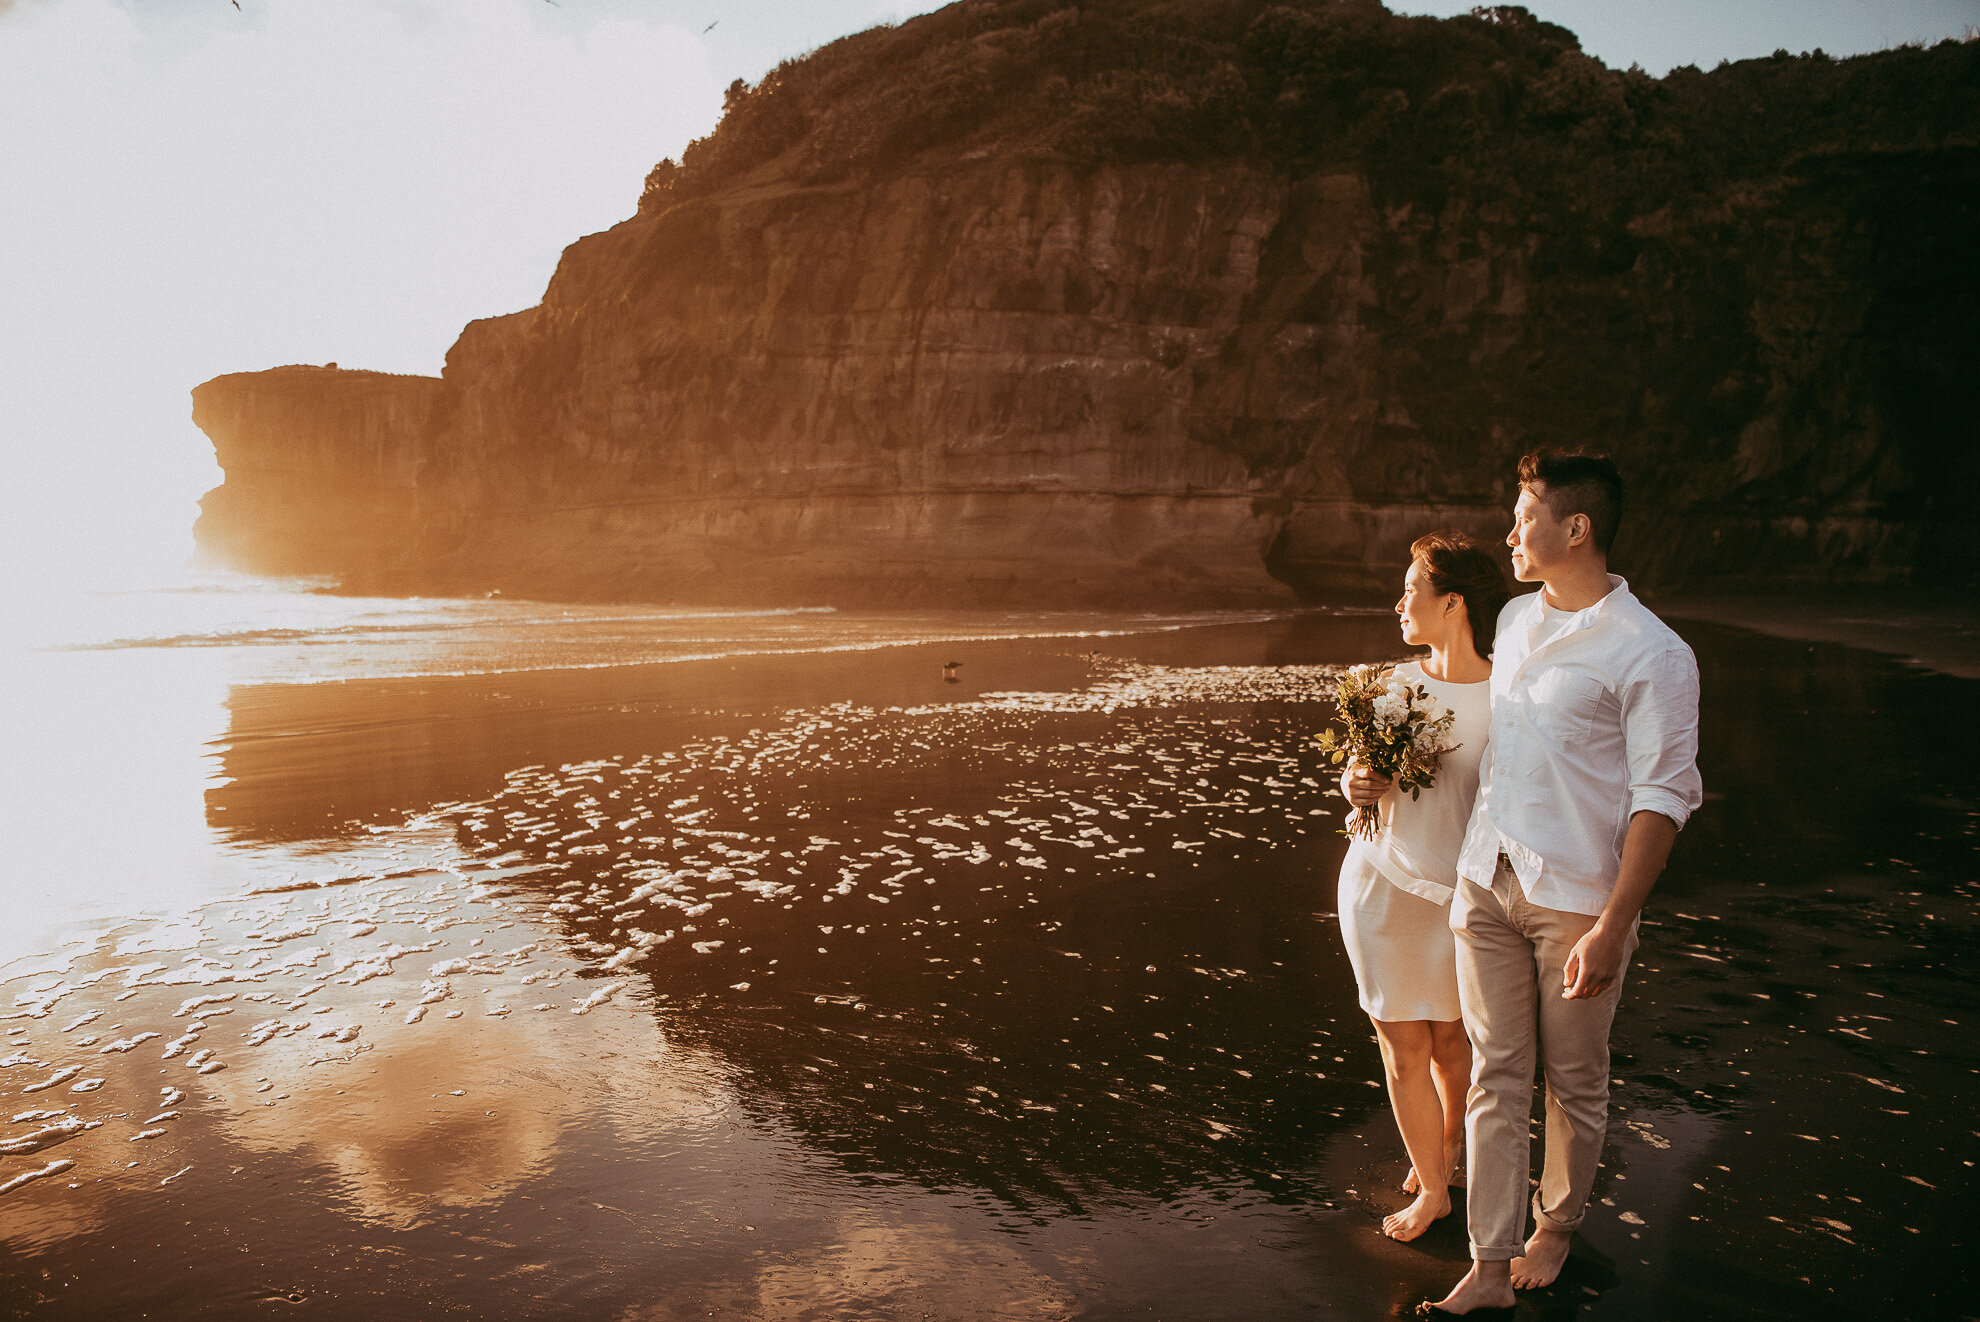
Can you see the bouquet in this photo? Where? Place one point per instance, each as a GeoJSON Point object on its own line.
{"type": "Point", "coordinates": [1390, 729]}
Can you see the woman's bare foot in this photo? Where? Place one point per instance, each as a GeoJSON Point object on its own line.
{"type": "Point", "coordinates": [1417, 1217]}
{"type": "Point", "coordinates": [1454, 1157]}
{"type": "Point", "coordinates": [1546, 1253]}
{"type": "Point", "coordinates": [1484, 1286]}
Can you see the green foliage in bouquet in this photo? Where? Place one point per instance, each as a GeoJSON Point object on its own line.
{"type": "Point", "coordinates": [1392, 728]}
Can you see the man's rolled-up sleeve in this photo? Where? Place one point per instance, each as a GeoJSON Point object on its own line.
{"type": "Point", "coordinates": [1660, 736]}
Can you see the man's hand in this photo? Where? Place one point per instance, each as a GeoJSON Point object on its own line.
{"type": "Point", "coordinates": [1597, 959]}
{"type": "Point", "coordinates": [1364, 788]}
{"type": "Point", "coordinates": [1592, 966]}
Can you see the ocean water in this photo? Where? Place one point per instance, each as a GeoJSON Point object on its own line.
{"type": "Point", "coordinates": [125, 699]}
{"type": "Point", "coordinates": [262, 630]}
{"type": "Point", "coordinates": [399, 959]}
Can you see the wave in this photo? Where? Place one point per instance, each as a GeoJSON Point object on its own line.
{"type": "Point", "coordinates": [818, 649]}
{"type": "Point", "coordinates": [272, 633]}
{"type": "Point", "coordinates": [359, 630]}
{"type": "Point", "coordinates": [235, 585]}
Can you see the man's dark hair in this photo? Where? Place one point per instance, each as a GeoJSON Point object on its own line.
{"type": "Point", "coordinates": [1576, 483]}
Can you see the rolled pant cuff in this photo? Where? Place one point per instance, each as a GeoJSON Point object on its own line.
{"type": "Point", "coordinates": [1497, 1255]}
{"type": "Point", "coordinates": [1542, 1221]}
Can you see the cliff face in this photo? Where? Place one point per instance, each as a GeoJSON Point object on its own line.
{"type": "Point", "coordinates": [908, 390]}
{"type": "Point", "coordinates": [1012, 377]}
{"type": "Point", "coordinates": [319, 462]}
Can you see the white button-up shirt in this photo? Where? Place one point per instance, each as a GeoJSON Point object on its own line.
{"type": "Point", "coordinates": [1594, 719]}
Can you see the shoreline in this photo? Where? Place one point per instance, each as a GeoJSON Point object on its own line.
{"type": "Point", "coordinates": [1932, 629]}
{"type": "Point", "coordinates": [1936, 631]}
{"type": "Point", "coordinates": [1234, 619]}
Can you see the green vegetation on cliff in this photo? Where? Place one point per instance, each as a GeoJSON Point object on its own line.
{"type": "Point", "coordinates": [1498, 103]}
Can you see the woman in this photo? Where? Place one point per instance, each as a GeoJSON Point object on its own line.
{"type": "Point", "coordinates": [1395, 890]}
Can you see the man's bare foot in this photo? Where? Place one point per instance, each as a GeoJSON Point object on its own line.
{"type": "Point", "coordinates": [1479, 1290]}
{"type": "Point", "coordinates": [1410, 1183]}
{"type": "Point", "coordinates": [1417, 1217]}
{"type": "Point", "coordinates": [1546, 1253]}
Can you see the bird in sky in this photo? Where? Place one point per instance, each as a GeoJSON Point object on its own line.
{"type": "Point", "coordinates": [710, 28]}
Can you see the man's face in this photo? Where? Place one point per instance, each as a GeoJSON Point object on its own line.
{"type": "Point", "coordinates": [1538, 540]}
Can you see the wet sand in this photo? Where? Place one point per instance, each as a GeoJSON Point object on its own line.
{"type": "Point", "coordinates": [813, 986]}
{"type": "Point", "coordinates": [1934, 630]}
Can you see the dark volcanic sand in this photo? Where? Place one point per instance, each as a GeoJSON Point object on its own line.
{"type": "Point", "coordinates": [1024, 1006]}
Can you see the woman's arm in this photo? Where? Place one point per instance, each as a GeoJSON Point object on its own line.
{"type": "Point", "coordinates": [1362, 787]}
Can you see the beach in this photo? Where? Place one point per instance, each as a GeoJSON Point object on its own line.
{"type": "Point", "coordinates": [796, 982]}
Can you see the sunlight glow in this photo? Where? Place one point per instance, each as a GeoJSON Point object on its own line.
{"type": "Point", "coordinates": [298, 182]}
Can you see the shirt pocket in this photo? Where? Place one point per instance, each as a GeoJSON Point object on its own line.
{"type": "Point", "coordinates": [1566, 706]}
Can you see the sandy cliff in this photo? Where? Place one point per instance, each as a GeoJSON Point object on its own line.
{"type": "Point", "coordinates": [1011, 375]}
{"type": "Point", "coordinates": [322, 467]}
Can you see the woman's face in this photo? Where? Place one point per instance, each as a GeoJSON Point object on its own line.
{"type": "Point", "coordinates": [1426, 613]}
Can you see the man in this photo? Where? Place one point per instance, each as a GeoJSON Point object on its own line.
{"type": "Point", "coordinates": [1591, 771]}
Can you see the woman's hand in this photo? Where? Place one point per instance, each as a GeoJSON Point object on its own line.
{"type": "Point", "coordinates": [1364, 788]}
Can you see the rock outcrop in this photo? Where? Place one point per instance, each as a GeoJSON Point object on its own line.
{"type": "Point", "coordinates": [322, 468]}
{"type": "Point", "coordinates": [984, 369]}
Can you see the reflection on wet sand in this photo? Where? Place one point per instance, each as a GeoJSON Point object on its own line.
{"type": "Point", "coordinates": [283, 1018]}
{"type": "Point", "coordinates": [102, 791]}
{"type": "Point", "coordinates": [799, 991]}
{"type": "Point", "coordinates": [892, 1270]}
{"type": "Point", "coordinates": [435, 1116]}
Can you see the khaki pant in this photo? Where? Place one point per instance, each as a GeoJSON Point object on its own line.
{"type": "Point", "coordinates": [1510, 954]}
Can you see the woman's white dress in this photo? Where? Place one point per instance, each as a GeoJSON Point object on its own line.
{"type": "Point", "coordinates": [1395, 890]}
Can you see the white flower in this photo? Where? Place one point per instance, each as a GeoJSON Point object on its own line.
{"type": "Point", "coordinates": [1391, 707]}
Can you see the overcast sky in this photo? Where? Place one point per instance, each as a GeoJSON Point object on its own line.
{"type": "Point", "coordinates": [191, 189]}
